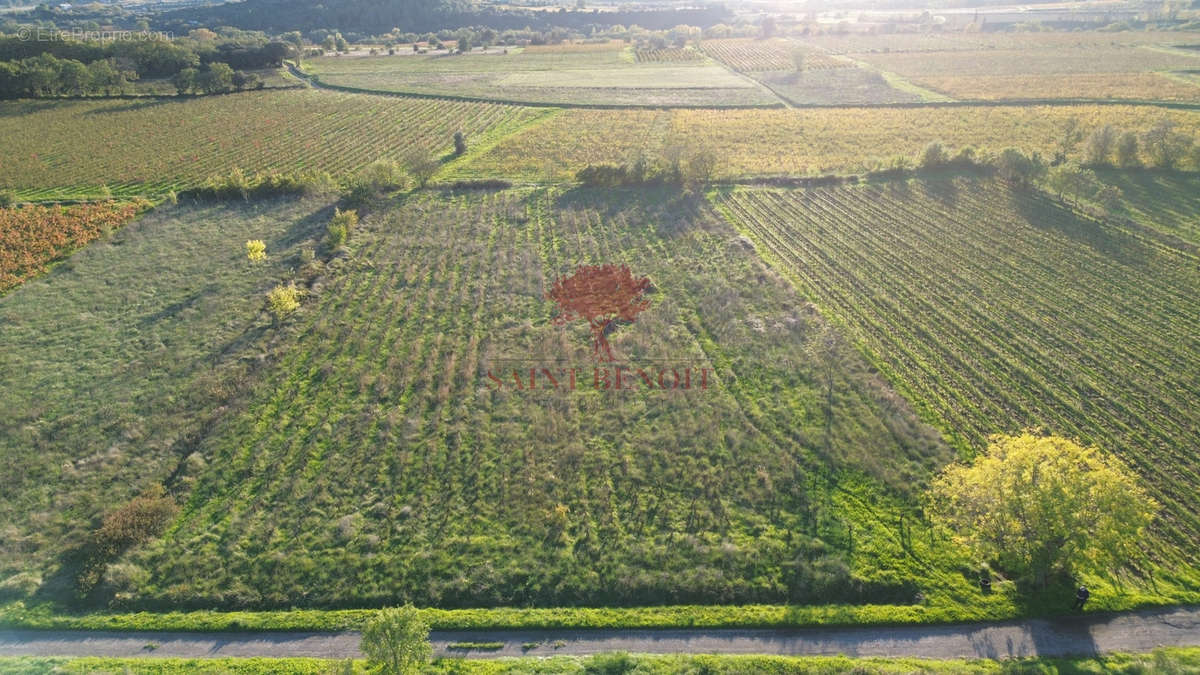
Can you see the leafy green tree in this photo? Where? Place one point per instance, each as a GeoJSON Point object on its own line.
{"type": "Point", "coordinates": [1165, 146]}
{"type": "Point", "coordinates": [185, 80]}
{"type": "Point", "coordinates": [1127, 150]}
{"type": "Point", "coordinates": [1037, 505]}
{"type": "Point", "coordinates": [396, 641]}
{"type": "Point", "coordinates": [701, 166]}
{"type": "Point", "coordinates": [460, 143]}
{"type": "Point", "coordinates": [107, 77]}
{"type": "Point", "coordinates": [1099, 146]}
{"type": "Point", "coordinates": [1016, 167]}
{"type": "Point", "coordinates": [464, 44]}
{"type": "Point", "coordinates": [217, 78]}
{"type": "Point", "coordinates": [74, 78]}
{"type": "Point", "coordinates": [933, 156]}
{"type": "Point", "coordinates": [1074, 180]}
{"type": "Point", "coordinates": [421, 167]}
{"type": "Point", "coordinates": [1071, 135]}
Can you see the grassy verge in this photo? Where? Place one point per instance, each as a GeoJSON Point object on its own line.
{"type": "Point", "coordinates": [16, 615]}
{"type": "Point", "coordinates": [1177, 660]}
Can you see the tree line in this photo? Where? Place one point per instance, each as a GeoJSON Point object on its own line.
{"type": "Point", "coordinates": [204, 62]}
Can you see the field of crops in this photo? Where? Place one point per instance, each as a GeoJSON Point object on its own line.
{"type": "Point", "coordinates": [852, 43]}
{"type": "Point", "coordinates": [994, 310]}
{"type": "Point", "coordinates": [119, 357]}
{"type": "Point", "coordinates": [777, 142]}
{"type": "Point", "coordinates": [1120, 71]}
{"type": "Point", "coordinates": [1048, 61]}
{"type": "Point", "coordinates": [1118, 86]}
{"type": "Point", "coordinates": [576, 47]}
{"type": "Point", "coordinates": [68, 148]}
{"type": "Point", "coordinates": [835, 86]}
{"type": "Point", "coordinates": [33, 236]}
{"type": "Point", "coordinates": [668, 55]}
{"type": "Point", "coordinates": [751, 55]}
{"type": "Point", "coordinates": [593, 77]}
{"type": "Point", "coordinates": [377, 463]}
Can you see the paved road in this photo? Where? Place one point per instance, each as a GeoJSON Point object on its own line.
{"type": "Point", "coordinates": [1091, 634]}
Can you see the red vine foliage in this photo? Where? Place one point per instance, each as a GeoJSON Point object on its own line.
{"type": "Point", "coordinates": [600, 295]}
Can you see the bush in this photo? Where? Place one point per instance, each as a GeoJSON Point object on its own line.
{"type": "Point", "coordinates": [256, 250]}
{"type": "Point", "coordinates": [7, 199]}
{"type": "Point", "coordinates": [384, 174]}
{"type": "Point", "coordinates": [138, 521]}
{"type": "Point", "coordinates": [340, 227]}
{"type": "Point", "coordinates": [373, 180]}
{"type": "Point", "coordinates": [616, 663]}
{"type": "Point", "coordinates": [460, 143]}
{"type": "Point", "coordinates": [142, 519]}
{"type": "Point", "coordinates": [282, 301]}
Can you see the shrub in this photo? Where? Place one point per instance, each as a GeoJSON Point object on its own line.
{"type": "Point", "coordinates": [340, 227]}
{"type": "Point", "coordinates": [460, 143]}
{"type": "Point", "coordinates": [7, 199]}
{"type": "Point", "coordinates": [934, 156]}
{"type": "Point", "coordinates": [138, 521]}
{"type": "Point", "coordinates": [615, 663]}
{"type": "Point", "coordinates": [282, 301]}
{"type": "Point", "coordinates": [256, 250]}
{"type": "Point", "coordinates": [142, 519]}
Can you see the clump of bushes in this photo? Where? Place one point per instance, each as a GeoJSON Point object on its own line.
{"type": "Point", "coordinates": [237, 183]}
{"type": "Point", "coordinates": [679, 166]}
{"type": "Point", "coordinates": [378, 177]}
{"type": "Point", "coordinates": [340, 227]}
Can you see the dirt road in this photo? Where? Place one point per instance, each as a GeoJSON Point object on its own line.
{"type": "Point", "coordinates": [1089, 634]}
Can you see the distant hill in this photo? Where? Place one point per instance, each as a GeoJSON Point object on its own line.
{"type": "Point", "coordinates": [380, 16]}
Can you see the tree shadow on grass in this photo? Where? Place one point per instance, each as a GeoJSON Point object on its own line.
{"type": "Point", "coordinates": [131, 107]}
{"type": "Point", "coordinates": [1044, 213]}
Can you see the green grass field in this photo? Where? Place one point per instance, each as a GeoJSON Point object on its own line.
{"type": "Point", "coordinates": [376, 463]}
{"type": "Point", "coordinates": [117, 360]}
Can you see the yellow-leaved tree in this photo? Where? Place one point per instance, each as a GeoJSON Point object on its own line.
{"type": "Point", "coordinates": [1038, 505]}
